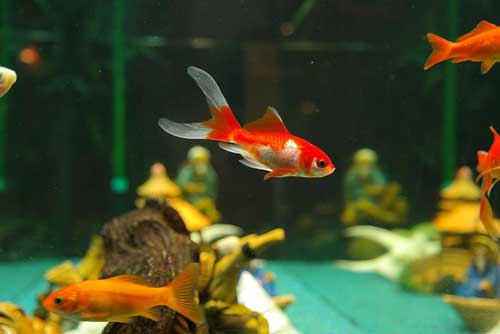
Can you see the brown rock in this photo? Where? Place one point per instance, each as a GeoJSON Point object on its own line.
{"type": "Point", "coordinates": [153, 243]}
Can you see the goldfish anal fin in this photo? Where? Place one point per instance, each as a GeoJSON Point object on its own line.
{"type": "Point", "coordinates": [124, 320]}
{"type": "Point", "coordinates": [269, 122]}
{"type": "Point", "coordinates": [281, 172]}
{"type": "Point", "coordinates": [181, 294]}
{"type": "Point", "coordinates": [131, 279]}
{"type": "Point", "coordinates": [152, 314]}
{"type": "Point", "coordinates": [486, 66]}
{"type": "Point", "coordinates": [482, 27]}
{"type": "Point", "coordinates": [459, 60]}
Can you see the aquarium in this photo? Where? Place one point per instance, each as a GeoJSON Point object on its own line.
{"type": "Point", "coordinates": [266, 167]}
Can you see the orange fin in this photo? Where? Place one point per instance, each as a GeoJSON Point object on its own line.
{"type": "Point", "coordinates": [152, 314]}
{"type": "Point", "coordinates": [222, 124]}
{"type": "Point", "coordinates": [495, 133]}
{"type": "Point", "coordinates": [269, 122]}
{"type": "Point", "coordinates": [488, 172]}
{"type": "Point", "coordinates": [482, 27]}
{"type": "Point", "coordinates": [482, 159]}
{"type": "Point", "coordinates": [281, 172]}
{"type": "Point", "coordinates": [181, 296]}
{"type": "Point", "coordinates": [441, 50]}
{"type": "Point", "coordinates": [94, 315]}
{"type": "Point", "coordinates": [131, 279]}
{"type": "Point", "coordinates": [486, 216]}
{"type": "Point", "coordinates": [459, 60]}
{"type": "Point", "coordinates": [124, 320]}
{"type": "Point", "coordinates": [486, 66]}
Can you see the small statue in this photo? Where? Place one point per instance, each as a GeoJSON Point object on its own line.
{"type": "Point", "coordinates": [199, 182]}
{"type": "Point", "coordinates": [369, 199]}
{"type": "Point", "coordinates": [221, 267]}
{"type": "Point", "coordinates": [160, 188]}
{"type": "Point", "coordinates": [482, 278]}
{"type": "Point", "coordinates": [462, 190]}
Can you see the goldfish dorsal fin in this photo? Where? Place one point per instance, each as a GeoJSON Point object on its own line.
{"type": "Point", "coordinates": [482, 27]}
{"type": "Point", "coordinates": [131, 279]}
{"type": "Point", "coordinates": [269, 122]}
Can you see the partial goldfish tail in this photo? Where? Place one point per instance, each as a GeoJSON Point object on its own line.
{"type": "Point", "coordinates": [181, 294]}
{"type": "Point", "coordinates": [441, 50]}
{"type": "Point", "coordinates": [220, 127]}
{"type": "Point", "coordinates": [486, 216]}
{"type": "Point", "coordinates": [482, 160]}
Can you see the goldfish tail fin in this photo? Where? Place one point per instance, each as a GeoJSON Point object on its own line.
{"type": "Point", "coordinates": [220, 127]}
{"type": "Point", "coordinates": [181, 294]}
{"type": "Point", "coordinates": [486, 216]}
{"type": "Point", "coordinates": [441, 50]}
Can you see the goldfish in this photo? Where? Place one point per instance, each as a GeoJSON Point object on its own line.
{"type": "Point", "coordinates": [265, 144]}
{"type": "Point", "coordinates": [488, 166]}
{"type": "Point", "coordinates": [120, 298]}
{"type": "Point", "coordinates": [7, 78]}
{"type": "Point", "coordinates": [482, 45]}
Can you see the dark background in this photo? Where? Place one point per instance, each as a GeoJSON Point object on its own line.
{"type": "Point", "coordinates": [349, 76]}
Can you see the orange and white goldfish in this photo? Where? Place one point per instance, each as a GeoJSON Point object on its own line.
{"type": "Point", "coordinates": [7, 78]}
{"type": "Point", "coordinates": [264, 144]}
{"type": "Point", "coordinates": [488, 166]}
{"type": "Point", "coordinates": [120, 298]}
{"type": "Point", "coordinates": [480, 45]}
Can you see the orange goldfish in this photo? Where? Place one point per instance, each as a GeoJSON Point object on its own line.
{"type": "Point", "coordinates": [488, 165]}
{"type": "Point", "coordinates": [480, 45]}
{"type": "Point", "coordinates": [264, 144]}
{"type": "Point", "coordinates": [7, 78]}
{"type": "Point", "coordinates": [120, 298]}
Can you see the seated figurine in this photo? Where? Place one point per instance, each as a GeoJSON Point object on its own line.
{"type": "Point", "coordinates": [482, 278]}
{"type": "Point", "coordinates": [198, 182]}
{"type": "Point", "coordinates": [369, 198]}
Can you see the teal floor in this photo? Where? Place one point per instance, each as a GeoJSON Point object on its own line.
{"type": "Point", "coordinates": [329, 300]}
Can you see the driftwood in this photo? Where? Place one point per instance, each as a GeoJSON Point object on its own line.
{"type": "Point", "coordinates": [153, 243]}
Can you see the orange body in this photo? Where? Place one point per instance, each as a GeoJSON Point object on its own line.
{"type": "Point", "coordinates": [264, 144]}
{"type": "Point", "coordinates": [488, 166]}
{"type": "Point", "coordinates": [120, 298]}
{"type": "Point", "coordinates": [480, 45]}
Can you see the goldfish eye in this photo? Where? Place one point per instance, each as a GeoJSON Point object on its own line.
{"type": "Point", "coordinates": [58, 300]}
{"type": "Point", "coordinates": [321, 164]}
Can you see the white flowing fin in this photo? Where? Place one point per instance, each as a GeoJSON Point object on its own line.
{"type": "Point", "coordinates": [233, 148]}
{"type": "Point", "coordinates": [208, 86]}
{"type": "Point", "coordinates": [492, 185]}
{"type": "Point", "coordinates": [249, 162]}
{"type": "Point", "coordinates": [185, 130]}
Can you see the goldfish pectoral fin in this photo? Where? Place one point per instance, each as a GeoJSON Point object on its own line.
{"type": "Point", "coordinates": [181, 297]}
{"type": "Point", "coordinates": [459, 60]}
{"type": "Point", "coordinates": [281, 172]}
{"type": "Point", "coordinates": [152, 314]}
{"type": "Point", "coordinates": [252, 163]}
{"type": "Point", "coordinates": [486, 66]}
{"type": "Point", "coordinates": [123, 319]}
{"type": "Point", "coordinates": [94, 315]}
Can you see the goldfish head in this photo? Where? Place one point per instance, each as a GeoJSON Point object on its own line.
{"type": "Point", "coordinates": [317, 162]}
{"type": "Point", "coordinates": [63, 301]}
